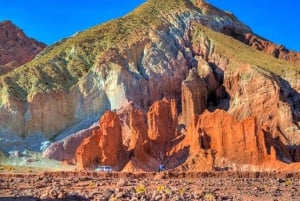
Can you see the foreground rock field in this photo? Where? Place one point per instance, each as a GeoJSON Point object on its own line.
{"type": "Point", "coordinates": [150, 186]}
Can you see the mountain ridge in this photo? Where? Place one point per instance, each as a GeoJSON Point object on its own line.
{"type": "Point", "coordinates": [172, 49]}
{"type": "Point", "coordinates": [16, 48]}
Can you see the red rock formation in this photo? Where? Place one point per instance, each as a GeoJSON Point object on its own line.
{"type": "Point", "coordinates": [210, 138]}
{"type": "Point", "coordinates": [239, 142]}
{"type": "Point", "coordinates": [104, 146]}
{"type": "Point", "coordinates": [162, 126]}
{"type": "Point", "coordinates": [194, 96]}
{"type": "Point", "coordinates": [110, 142]}
{"type": "Point", "coordinates": [88, 153]}
{"type": "Point", "coordinates": [199, 155]}
{"type": "Point", "coordinates": [15, 47]}
{"type": "Point", "coordinates": [140, 160]}
{"type": "Point", "coordinates": [138, 131]}
{"type": "Point", "coordinates": [256, 93]}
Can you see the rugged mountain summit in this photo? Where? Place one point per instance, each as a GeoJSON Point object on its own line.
{"type": "Point", "coordinates": [15, 47]}
{"type": "Point", "coordinates": [197, 94]}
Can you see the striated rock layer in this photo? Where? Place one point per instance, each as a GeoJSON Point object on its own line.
{"type": "Point", "coordinates": [173, 49]}
{"type": "Point", "coordinates": [257, 93]}
{"type": "Point", "coordinates": [97, 70]}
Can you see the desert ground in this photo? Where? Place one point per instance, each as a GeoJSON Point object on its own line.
{"type": "Point", "coordinates": [149, 186]}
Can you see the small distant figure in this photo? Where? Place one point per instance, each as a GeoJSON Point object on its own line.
{"type": "Point", "coordinates": [161, 168]}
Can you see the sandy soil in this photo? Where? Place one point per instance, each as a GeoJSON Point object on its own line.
{"type": "Point", "coordinates": [149, 186]}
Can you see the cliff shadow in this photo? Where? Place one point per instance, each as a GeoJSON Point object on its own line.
{"type": "Point", "coordinates": [290, 96]}
{"type": "Point", "coordinates": [294, 151]}
{"type": "Point", "coordinates": [218, 98]}
{"type": "Point", "coordinates": [178, 157]}
{"type": "Point", "coordinates": [204, 140]}
{"type": "Point", "coordinates": [281, 150]}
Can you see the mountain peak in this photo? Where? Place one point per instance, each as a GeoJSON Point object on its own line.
{"type": "Point", "coordinates": [15, 47]}
{"type": "Point", "coordinates": [6, 22]}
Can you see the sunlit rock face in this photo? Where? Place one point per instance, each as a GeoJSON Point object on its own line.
{"type": "Point", "coordinates": [104, 146]}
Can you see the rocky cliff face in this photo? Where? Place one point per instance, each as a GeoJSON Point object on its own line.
{"type": "Point", "coordinates": [258, 93]}
{"type": "Point", "coordinates": [179, 50]}
{"type": "Point", "coordinates": [240, 142]}
{"type": "Point", "coordinates": [15, 47]}
{"type": "Point", "coordinates": [84, 80]}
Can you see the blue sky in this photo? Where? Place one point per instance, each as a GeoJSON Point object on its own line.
{"type": "Point", "coordinates": [277, 21]}
{"type": "Point", "coordinates": [52, 20]}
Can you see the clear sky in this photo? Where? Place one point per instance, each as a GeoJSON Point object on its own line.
{"type": "Point", "coordinates": [277, 21]}
{"type": "Point", "coordinates": [52, 20]}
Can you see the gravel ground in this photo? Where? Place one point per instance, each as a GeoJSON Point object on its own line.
{"type": "Point", "coordinates": [149, 186]}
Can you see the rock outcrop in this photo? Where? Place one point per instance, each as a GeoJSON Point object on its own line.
{"type": "Point", "coordinates": [236, 143]}
{"type": "Point", "coordinates": [139, 141]}
{"type": "Point", "coordinates": [88, 153]}
{"type": "Point", "coordinates": [194, 96]}
{"type": "Point", "coordinates": [15, 47]}
{"type": "Point", "coordinates": [255, 92]}
{"type": "Point", "coordinates": [211, 138]}
{"type": "Point", "coordinates": [150, 139]}
{"type": "Point", "coordinates": [104, 146]}
{"type": "Point", "coordinates": [162, 121]}
{"type": "Point", "coordinates": [240, 142]}
{"type": "Point", "coordinates": [110, 142]}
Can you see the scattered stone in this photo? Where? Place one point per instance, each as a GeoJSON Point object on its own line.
{"type": "Point", "coordinates": [52, 194]}
{"type": "Point", "coordinates": [61, 194]}
{"type": "Point", "coordinates": [122, 182]}
{"type": "Point", "coordinates": [107, 193]}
